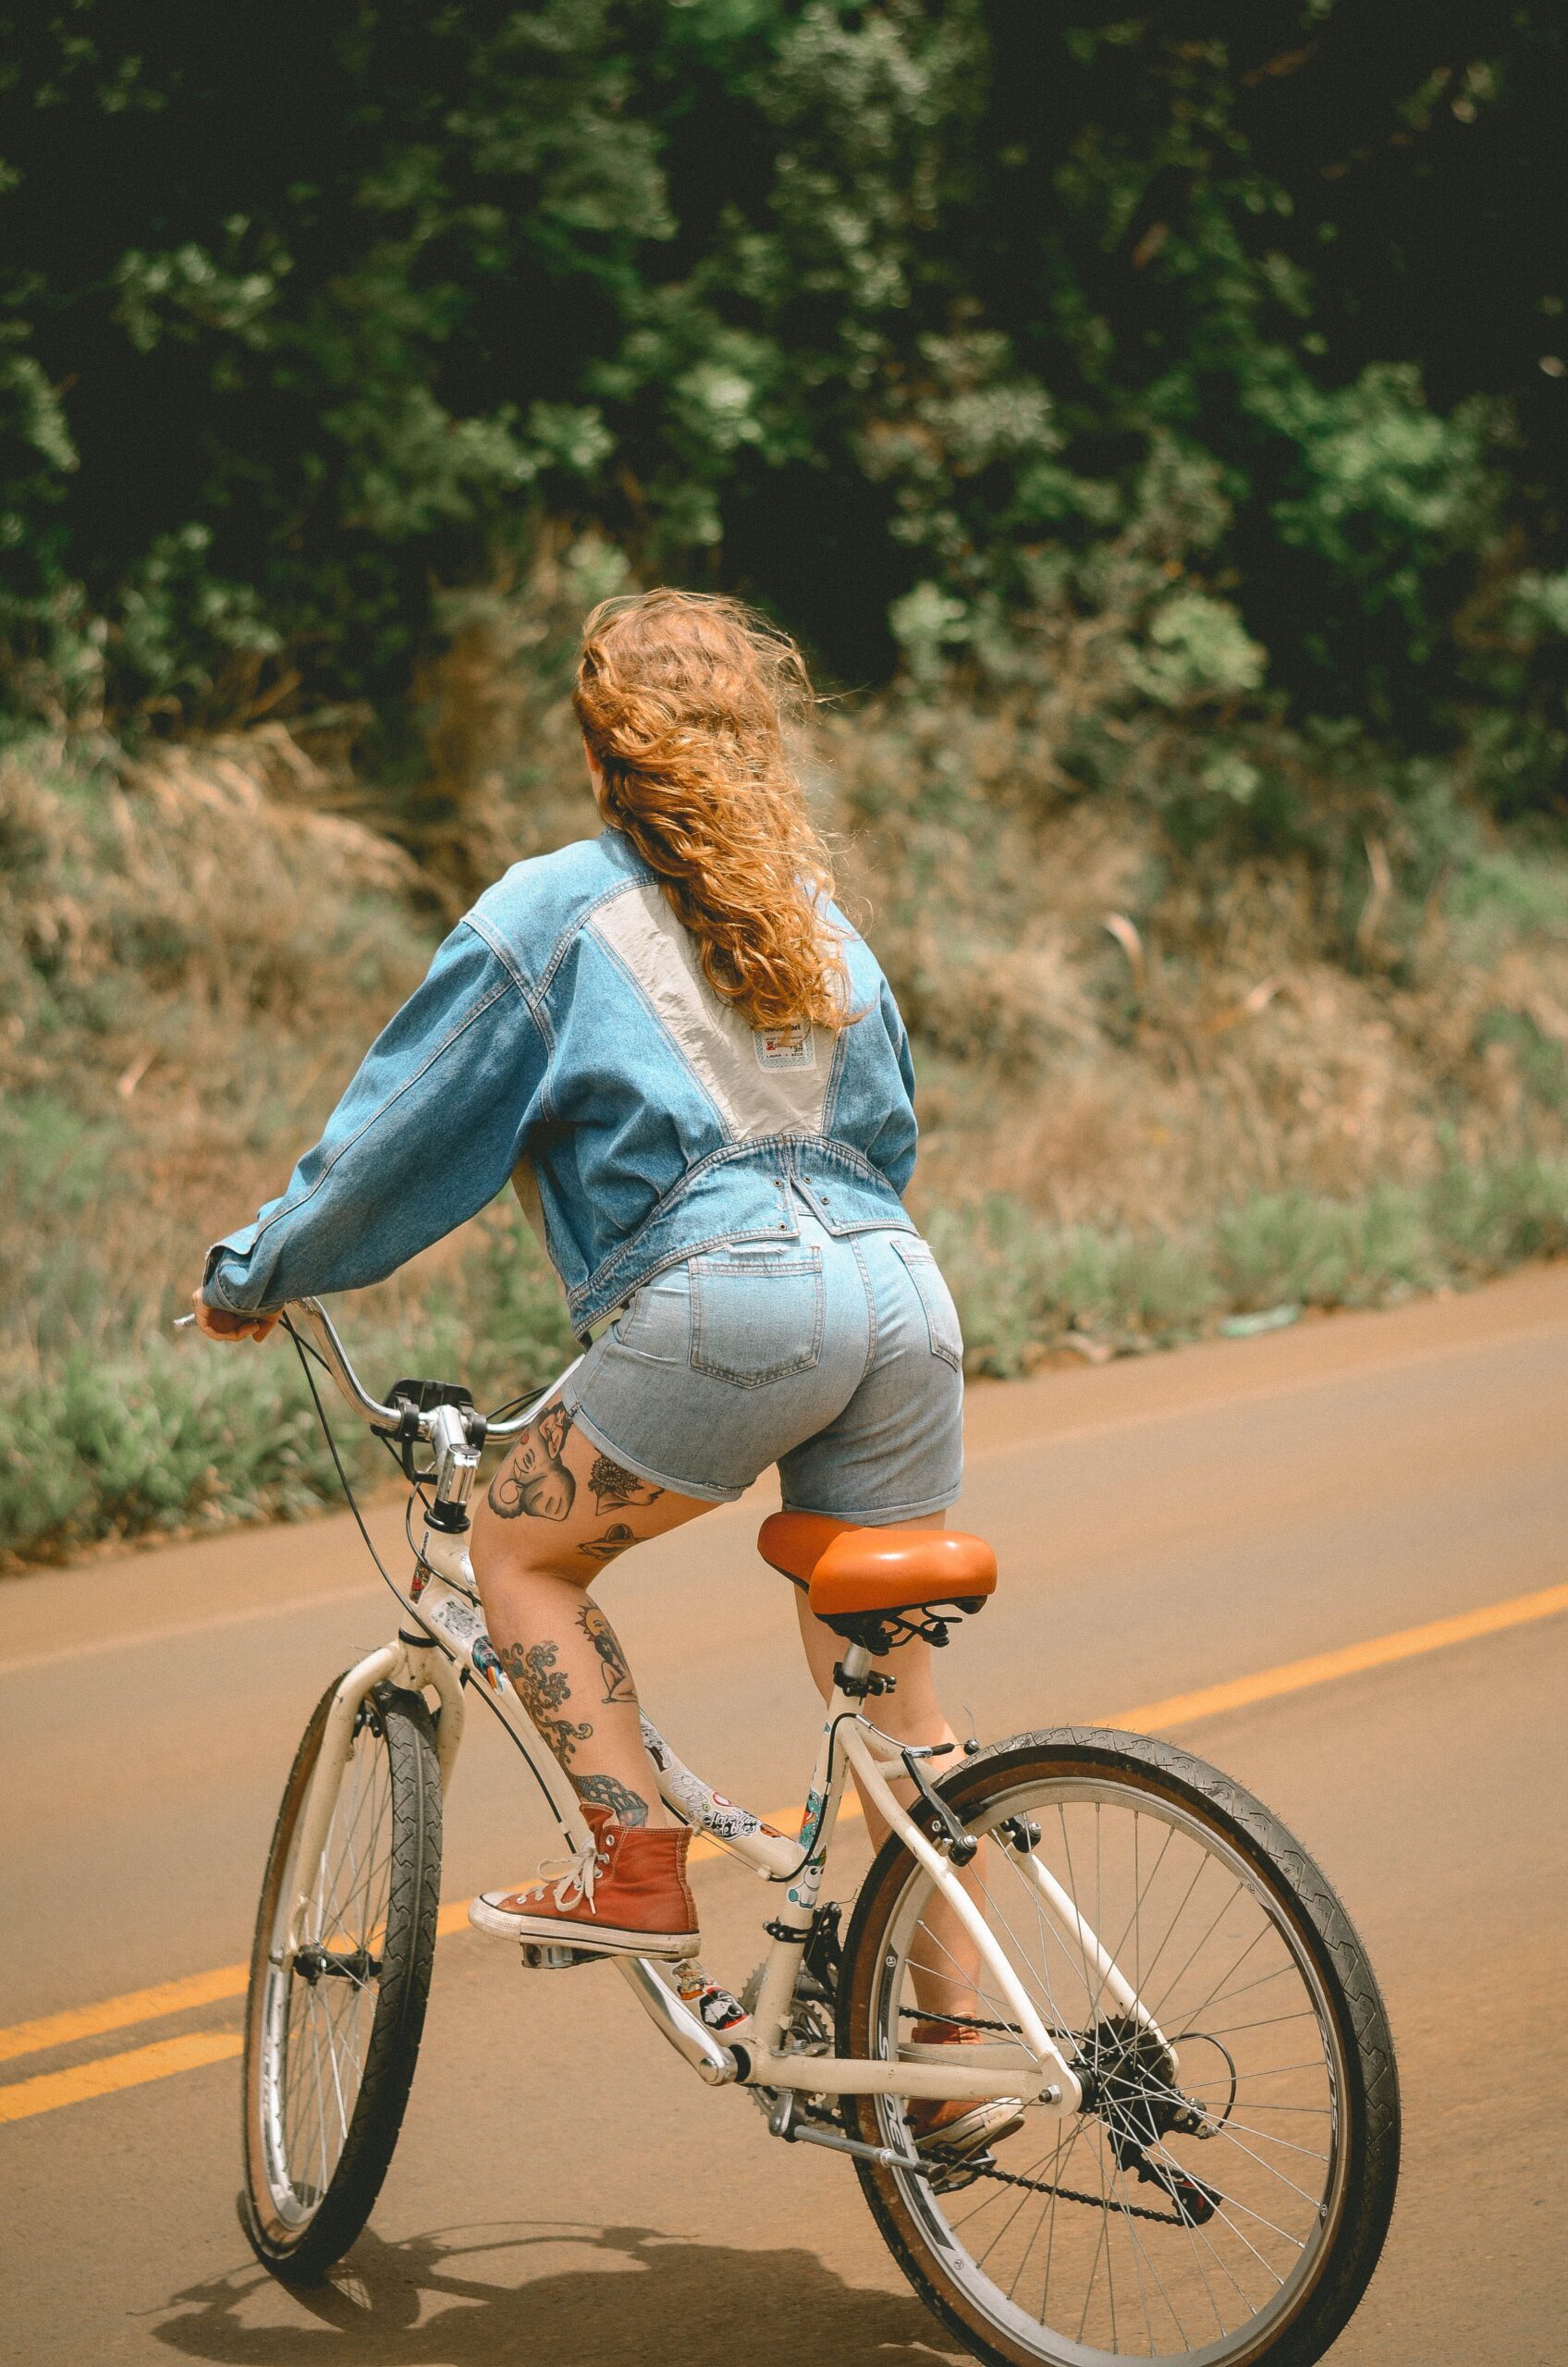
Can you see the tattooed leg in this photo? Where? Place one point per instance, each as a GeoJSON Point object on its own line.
{"type": "Point", "coordinates": [614, 1486]}
{"type": "Point", "coordinates": [608, 1792]}
{"type": "Point", "coordinates": [534, 1479]}
{"type": "Point", "coordinates": [618, 1687]}
{"type": "Point", "coordinates": [542, 1688]}
{"type": "Point", "coordinates": [557, 1512]}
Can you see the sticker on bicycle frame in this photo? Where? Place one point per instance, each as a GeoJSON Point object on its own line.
{"type": "Point", "coordinates": [791, 1045]}
{"type": "Point", "coordinates": [716, 2007]}
{"type": "Point", "coordinates": [695, 1801]}
{"type": "Point", "coordinates": [488, 1662]}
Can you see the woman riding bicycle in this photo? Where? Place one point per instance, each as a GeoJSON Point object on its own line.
{"type": "Point", "coordinates": [674, 1044]}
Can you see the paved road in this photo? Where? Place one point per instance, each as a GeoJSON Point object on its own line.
{"type": "Point", "coordinates": [566, 2192]}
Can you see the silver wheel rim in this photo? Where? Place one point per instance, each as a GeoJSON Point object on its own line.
{"type": "Point", "coordinates": [1211, 1954]}
{"type": "Point", "coordinates": [315, 2032]}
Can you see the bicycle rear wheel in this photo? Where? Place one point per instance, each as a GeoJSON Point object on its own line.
{"type": "Point", "coordinates": [336, 2004]}
{"type": "Point", "coordinates": [1224, 2193]}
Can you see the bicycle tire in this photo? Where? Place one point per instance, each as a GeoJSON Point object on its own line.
{"type": "Point", "coordinates": [299, 2224]}
{"type": "Point", "coordinates": [1365, 2130]}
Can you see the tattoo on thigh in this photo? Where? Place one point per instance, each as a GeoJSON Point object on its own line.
{"type": "Point", "coordinates": [534, 1479]}
{"type": "Point", "coordinates": [618, 1686]}
{"type": "Point", "coordinates": [608, 1792]}
{"type": "Point", "coordinates": [615, 1540]}
{"type": "Point", "coordinates": [614, 1486]}
{"type": "Point", "coordinates": [542, 1689]}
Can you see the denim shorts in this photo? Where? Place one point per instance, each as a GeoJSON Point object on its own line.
{"type": "Point", "coordinates": [836, 1356]}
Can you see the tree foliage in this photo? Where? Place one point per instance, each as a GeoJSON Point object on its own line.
{"type": "Point", "coordinates": [892, 316]}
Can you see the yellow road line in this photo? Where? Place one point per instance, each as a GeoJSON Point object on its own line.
{"type": "Point", "coordinates": [53, 2089]}
{"type": "Point", "coordinates": [50, 2089]}
{"type": "Point", "coordinates": [148, 2005]}
{"type": "Point", "coordinates": [1323, 1668]}
{"type": "Point", "coordinates": [116, 2013]}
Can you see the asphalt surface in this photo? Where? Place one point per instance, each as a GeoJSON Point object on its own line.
{"type": "Point", "coordinates": [566, 2191]}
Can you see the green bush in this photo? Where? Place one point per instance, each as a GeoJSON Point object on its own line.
{"type": "Point", "coordinates": [1025, 1287]}
{"type": "Point", "coordinates": [171, 1434]}
{"type": "Point", "coordinates": [886, 314]}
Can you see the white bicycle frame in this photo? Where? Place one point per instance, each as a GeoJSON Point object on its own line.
{"type": "Point", "coordinates": [449, 1649]}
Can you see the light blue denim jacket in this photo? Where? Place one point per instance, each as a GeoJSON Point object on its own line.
{"type": "Point", "coordinates": [566, 1039]}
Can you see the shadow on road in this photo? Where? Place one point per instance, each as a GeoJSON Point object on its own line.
{"type": "Point", "coordinates": [657, 2301]}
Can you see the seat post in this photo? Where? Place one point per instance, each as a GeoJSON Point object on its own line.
{"type": "Point", "coordinates": [854, 1668]}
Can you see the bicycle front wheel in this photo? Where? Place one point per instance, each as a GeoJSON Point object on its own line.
{"type": "Point", "coordinates": [1223, 2194]}
{"type": "Point", "coordinates": [339, 1986]}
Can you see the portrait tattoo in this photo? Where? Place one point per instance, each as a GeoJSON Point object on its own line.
{"type": "Point", "coordinates": [614, 1486]}
{"type": "Point", "coordinates": [615, 1540]}
{"type": "Point", "coordinates": [542, 1689]}
{"type": "Point", "coordinates": [534, 1479]}
{"type": "Point", "coordinates": [618, 1686]}
{"type": "Point", "coordinates": [608, 1792]}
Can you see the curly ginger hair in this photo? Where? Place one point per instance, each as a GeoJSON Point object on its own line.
{"type": "Point", "coordinates": [683, 700]}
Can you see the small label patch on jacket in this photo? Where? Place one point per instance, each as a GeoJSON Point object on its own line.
{"type": "Point", "coordinates": [790, 1047]}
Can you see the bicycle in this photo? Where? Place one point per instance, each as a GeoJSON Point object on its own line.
{"type": "Point", "coordinates": [1203, 2157]}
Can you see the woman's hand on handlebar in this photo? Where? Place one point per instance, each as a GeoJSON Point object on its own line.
{"type": "Point", "coordinates": [220, 1324]}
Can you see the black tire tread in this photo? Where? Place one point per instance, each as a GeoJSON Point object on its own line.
{"type": "Point", "coordinates": [407, 1960]}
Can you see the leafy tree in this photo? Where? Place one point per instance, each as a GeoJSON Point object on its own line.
{"type": "Point", "coordinates": [890, 315]}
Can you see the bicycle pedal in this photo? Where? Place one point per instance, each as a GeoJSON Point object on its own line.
{"type": "Point", "coordinates": [952, 2175]}
{"type": "Point", "coordinates": [539, 1955]}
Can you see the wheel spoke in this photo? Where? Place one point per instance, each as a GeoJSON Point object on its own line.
{"type": "Point", "coordinates": [314, 2017]}
{"type": "Point", "coordinates": [1101, 2249]}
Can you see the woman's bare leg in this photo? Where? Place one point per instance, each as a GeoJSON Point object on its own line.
{"type": "Point", "coordinates": [911, 1713]}
{"type": "Point", "coordinates": [557, 1511]}
{"type": "Point", "coordinates": [949, 1979]}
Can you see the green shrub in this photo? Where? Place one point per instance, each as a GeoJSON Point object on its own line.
{"type": "Point", "coordinates": [174, 1432]}
{"type": "Point", "coordinates": [1024, 1287]}
{"type": "Point", "coordinates": [887, 313]}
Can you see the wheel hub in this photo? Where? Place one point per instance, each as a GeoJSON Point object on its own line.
{"type": "Point", "coordinates": [1126, 2074]}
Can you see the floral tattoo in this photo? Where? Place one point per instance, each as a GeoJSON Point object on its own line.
{"type": "Point", "coordinates": [542, 1689]}
{"type": "Point", "coordinates": [614, 1486]}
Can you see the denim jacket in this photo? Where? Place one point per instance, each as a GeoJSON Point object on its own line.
{"type": "Point", "coordinates": [565, 1039]}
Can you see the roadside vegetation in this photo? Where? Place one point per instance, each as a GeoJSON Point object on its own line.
{"type": "Point", "coordinates": [1156, 429]}
{"type": "Point", "coordinates": [1164, 1084]}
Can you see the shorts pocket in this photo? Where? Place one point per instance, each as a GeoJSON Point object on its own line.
{"type": "Point", "coordinates": [657, 1321]}
{"type": "Point", "coordinates": [757, 1319]}
{"type": "Point", "coordinates": [942, 1326]}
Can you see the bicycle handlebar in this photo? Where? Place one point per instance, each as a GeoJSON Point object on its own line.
{"type": "Point", "coordinates": [336, 1357]}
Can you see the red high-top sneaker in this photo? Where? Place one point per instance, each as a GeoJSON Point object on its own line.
{"type": "Point", "coordinates": [627, 1896]}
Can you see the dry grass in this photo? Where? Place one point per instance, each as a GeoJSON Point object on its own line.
{"type": "Point", "coordinates": [1115, 1037]}
{"type": "Point", "coordinates": [195, 957]}
{"type": "Point", "coordinates": [1155, 1087]}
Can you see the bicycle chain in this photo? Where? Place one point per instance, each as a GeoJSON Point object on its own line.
{"type": "Point", "coordinates": [1010, 2177]}
{"type": "Point", "coordinates": [1068, 2193]}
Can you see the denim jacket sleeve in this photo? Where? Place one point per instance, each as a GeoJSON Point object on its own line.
{"type": "Point", "coordinates": [894, 1147]}
{"type": "Point", "coordinates": [427, 1133]}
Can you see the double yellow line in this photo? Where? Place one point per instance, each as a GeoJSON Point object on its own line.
{"type": "Point", "coordinates": [47, 2092]}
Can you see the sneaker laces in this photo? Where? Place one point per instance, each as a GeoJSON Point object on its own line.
{"type": "Point", "coordinates": [569, 1879]}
